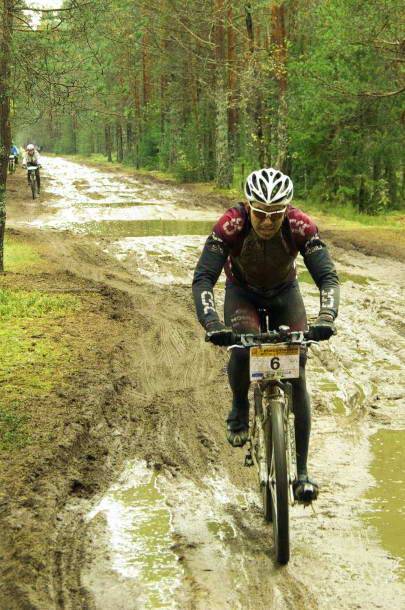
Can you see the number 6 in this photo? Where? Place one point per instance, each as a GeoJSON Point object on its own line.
{"type": "Point", "coordinates": [275, 363]}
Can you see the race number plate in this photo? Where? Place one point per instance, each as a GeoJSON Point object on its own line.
{"type": "Point", "coordinates": [274, 362]}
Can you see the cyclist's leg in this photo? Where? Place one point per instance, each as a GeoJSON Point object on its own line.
{"type": "Point", "coordinates": [288, 308]}
{"type": "Point", "coordinates": [241, 314]}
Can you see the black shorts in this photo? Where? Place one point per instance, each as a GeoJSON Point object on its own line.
{"type": "Point", "coordinates": [286, 307]}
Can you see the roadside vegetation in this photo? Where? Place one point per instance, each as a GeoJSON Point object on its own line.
{"type": "Point", "coordinates": [34, 356]}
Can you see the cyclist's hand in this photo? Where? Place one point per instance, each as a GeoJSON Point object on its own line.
{"type": "Point", "coordinates": [323, 328]}
{"type": "Point", "coordinates": [218, 334]}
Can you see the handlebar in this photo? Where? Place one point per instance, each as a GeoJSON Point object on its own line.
{"type": "Point", "coordinates": [282, 335]}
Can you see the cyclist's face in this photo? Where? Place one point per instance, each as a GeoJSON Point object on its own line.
{"type": "Point", "coordinates": [265, 225]}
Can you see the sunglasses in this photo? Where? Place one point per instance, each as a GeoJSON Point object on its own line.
{"type": "Point", "coordinates": [261, 214]}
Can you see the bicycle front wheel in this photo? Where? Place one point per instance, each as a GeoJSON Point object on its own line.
{"type": "Point", "coordinates": [33, 182]}
{"type": "Point", "coordinates": [278, 484]}
{"type": "Point", "coordinates": [264, 488]}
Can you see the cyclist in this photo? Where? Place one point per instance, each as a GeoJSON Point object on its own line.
{"type": "Point", "coordinates": [257, 243]}
{"type": "Point", "coordinates": [31, 157]}
{"type": "Point", "coordinates": [15, 152]}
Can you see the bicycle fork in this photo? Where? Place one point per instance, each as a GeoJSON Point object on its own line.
{"type": "Point", "coordinates": [258, 455]}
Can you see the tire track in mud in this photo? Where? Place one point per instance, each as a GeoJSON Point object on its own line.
{"type": "Point", "coordinates": [177, 375]}
{"type": "Point", "coordinates": [287, 589]}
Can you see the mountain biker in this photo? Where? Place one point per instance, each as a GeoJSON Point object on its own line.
{"type": "Point", "coordinates": [31, 157]}
{"type": "Point", "coordinates": [257, 242]}
{"type": "Point", "coordinates": [14, 151]}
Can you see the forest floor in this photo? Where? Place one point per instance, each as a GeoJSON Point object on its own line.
{"type": "Point", "coordinates": [105, 378]}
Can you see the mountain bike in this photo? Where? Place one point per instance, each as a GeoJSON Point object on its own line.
{"type": "Point", "coordinates": [32, 179]}
{"type": "Point", "coordinates": [11, 164]}
{"type": "Point", "coordinates": [274, 358]}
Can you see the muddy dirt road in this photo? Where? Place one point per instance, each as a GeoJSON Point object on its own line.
{"type": "Point", "coordinates": [180, 526]}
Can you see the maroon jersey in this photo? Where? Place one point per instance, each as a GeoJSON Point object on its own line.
{"type": "Point", "coordinates": [264, 266]}
{"type": "Point", "coordinates": [258, 263]}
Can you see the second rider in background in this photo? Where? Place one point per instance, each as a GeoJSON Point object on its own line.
{"type": "Point", "coordinates": [257, 242]}
{"type": "Point", "coordinates": [31, 157]}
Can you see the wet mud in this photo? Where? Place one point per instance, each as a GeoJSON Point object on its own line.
{"type": "Point", "coordinates": [180, 525]}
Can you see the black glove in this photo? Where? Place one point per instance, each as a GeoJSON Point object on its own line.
{"type": "Point", "coordinates": [323, 328]}
{"type": "Point", "coordinates": [218, 334]}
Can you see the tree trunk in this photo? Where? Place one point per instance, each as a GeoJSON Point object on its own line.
{"type": "Point", "coordinates": [232, 113]}
{"type": "Point", "coordinates": [130, 138]}
{"type": "Point", "coordinates": [74, 132]}
{"type": "Point", "coordinates": [108, 142]}
{"type": "Point", "coordinates": [257, 103]}
{"type": "Point", "coordinates": [391, 177]}
{"type": "Point", "coordinates": [278, 39]}
{"type": "Point", "coordinates": [5, 133]}
{"type": "Point", "coordinates": [145, 71]}
{"type": "Point", "coordinates": [120, 148]}
{"type": "Point", "coordinates": [223, 162]}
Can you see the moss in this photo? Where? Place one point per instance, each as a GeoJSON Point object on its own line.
{"type": "Point", "coordinates": [19, 256]}
{"type": "Point", "coordinates": [34, 355]}
{"type": "Point", "coordinates": [13, 432]}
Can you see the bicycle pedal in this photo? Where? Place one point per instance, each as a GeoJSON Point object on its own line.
{"type": "Point", "coordinates": [248, 460]}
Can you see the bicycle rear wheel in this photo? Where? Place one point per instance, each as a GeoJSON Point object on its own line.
{"type": "Point", "coordinates": [279, 484]}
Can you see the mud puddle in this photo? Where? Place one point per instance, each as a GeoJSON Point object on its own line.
{"type": "Point", "coordinates": [386, 497]}
{"type": "Point", "coordinates": [85, 196]}
{"type": "Point", "coordinates": [210, 533]}
{"type": "Point", "coordinates": [139, 535]}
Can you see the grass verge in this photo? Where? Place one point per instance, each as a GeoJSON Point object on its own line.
{"type": "Point", "coordinates": [33, 351]}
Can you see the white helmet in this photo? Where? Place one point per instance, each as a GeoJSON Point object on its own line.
{"type": "Point", "coordinates": [30, 148]}
{"type": "Point", "coordinates": [269, 186]}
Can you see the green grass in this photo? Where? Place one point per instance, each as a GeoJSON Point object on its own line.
{"type": "Point", "coordinates": [33, 304]}
{"type": "Point", "coordinates": [347, 217]}
{"type": "Point", "coordinates": [13, 431]}
{"type": "Point", "coordinates": [19, 256]}
{"type": "Point", "coordinates": [32, 355]}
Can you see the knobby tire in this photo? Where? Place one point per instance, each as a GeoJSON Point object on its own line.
{"type": "Point", "coordinates": [265, 489]}
{"type": "Point", "coordinates": [280, 486]}
{"type": "Point", "coordinates": [33, 183]}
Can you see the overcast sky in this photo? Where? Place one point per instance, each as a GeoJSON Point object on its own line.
{"type": "Point", "coordinates": [44, 3]}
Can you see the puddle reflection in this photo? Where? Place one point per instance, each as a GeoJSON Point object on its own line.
{"type": "Point", "coordinates": [140, 529]}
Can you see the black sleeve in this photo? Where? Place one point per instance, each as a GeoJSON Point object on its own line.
{"type": "Point", "coordinates": [206, 274]}
{"type": "Point", "coordinates": [319, 264]}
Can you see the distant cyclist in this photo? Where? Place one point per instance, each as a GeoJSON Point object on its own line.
{"type": "Point", "coordinates": [14, 151]}
{"type": "Point", "coordinates": [31, 157]}
{"type": "Point", "coordinates": [257, 243]}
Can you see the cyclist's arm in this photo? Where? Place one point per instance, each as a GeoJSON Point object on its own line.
{"type": "Point", "coordinates": [206, 274]}
{"type": "Point", "coordinates": [320, 265]}
{"type": "Point", "coordinates": [317, 260]}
